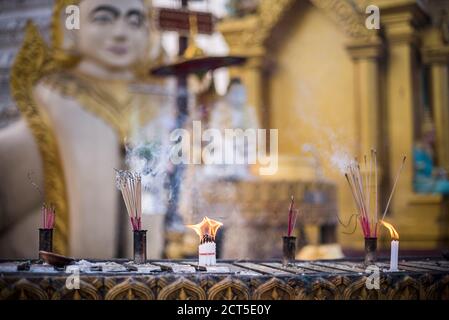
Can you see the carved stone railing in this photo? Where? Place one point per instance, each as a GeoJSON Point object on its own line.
{"type": "Point", "coordinates": [418, 279]}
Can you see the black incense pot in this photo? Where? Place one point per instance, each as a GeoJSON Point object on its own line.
{"type": "Point", "coordinates": [46, 240]}
{"type": "Point", "coordinates": [370, 251]}
{"type": "Point", "coordinates": [288, 250]}
{"type": "Point", "coordinates": [140, 246]}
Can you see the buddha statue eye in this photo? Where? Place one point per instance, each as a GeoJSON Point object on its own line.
{"type": "Point", "coordinates": [104, 14]}
{"type": "Point", "coordinates": [135, 19]}
{"type": "Point", "coordinates": [103, 18]}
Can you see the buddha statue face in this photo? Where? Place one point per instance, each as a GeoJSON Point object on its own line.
{"type": "Point", "coordinates": [113, 34]}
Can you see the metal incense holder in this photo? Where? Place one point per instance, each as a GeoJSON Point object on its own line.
{"type": "Point", "coordinates": [140, 246]}
{"type": "Point", "coordinates": [370, 251]}
{"type": "Point", "coordinates": [288, 250]}
{"type": "Point", "coordinates": [46, 240]}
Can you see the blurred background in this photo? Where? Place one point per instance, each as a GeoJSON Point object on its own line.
{"type": "Point", "coordinates": [334, 88]}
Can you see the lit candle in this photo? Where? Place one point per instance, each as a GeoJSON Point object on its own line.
{"type": "Point", "coordinates": [207, 229]}
{"type": "Point", "coordinates": [394, 256]}
{"type": "Point", "coordinates": [207, 253]}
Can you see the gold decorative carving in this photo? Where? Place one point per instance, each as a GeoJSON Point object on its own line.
{"type": "Point", "coordinates": [300, 289]}
{"type": "Point", "coordinates": [430, 286]}
{"type": "Point", "coordinates": [23, 289]}
{"type": "Point", "coordinates": [438, 290]}
{"type": "Point", "coordinates": [182, 289]}
{"type": "Point", "coordinates": [347, 16]}
{"type": "Point", "coordinates": [358, 291]}
{"type": "Point", "coordinates": [159, 284]}
{"type": "Point", "coordinates": [407, 289]}
{"type": "Point", "coordinates": [250, 33]}
{"type": "Point", "coordinates": [87, 290]}
{"type": "Point", "coordinates": [323, 289]}
{"type": "Point", "coordinates": [436, 54]}
{"type": "Point", "coordinates": [270, 13]}
{"type": "Point", "coordinates": [59, 53]}
{"type": "Point", "coordinates": [108, 101]}
{"type": "Point", "coordinates": [340, 283]}
{"type": "Point", "coordinates": [274, 289]}
{"type": "Point", "coordinates": [130, 289]}
{"type": "Point", "coordinates": [229, 289]}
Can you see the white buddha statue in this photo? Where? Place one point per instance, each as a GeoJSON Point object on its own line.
{"type": "Point", "coordinates": [85, 100]}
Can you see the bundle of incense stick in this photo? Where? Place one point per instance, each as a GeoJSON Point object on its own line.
{"type": "Point", "coordinates": [292, 213]}
{"type": "Point", "coordinates": [360, 185]}
{"type": "Point", "coordinates": [130, 185]}
{"type": "Point", "coordinates": [48, 216]}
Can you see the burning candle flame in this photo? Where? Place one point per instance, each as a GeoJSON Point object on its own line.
{"type": "Point", "coordinates": [206, 228]}
{"type": "Point", "coordinates": [393, 233]}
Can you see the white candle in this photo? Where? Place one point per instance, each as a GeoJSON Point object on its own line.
{"type": "Point", "coordinates": [207, 254]}
{"type": "Point", "coordinates": [394, 255]}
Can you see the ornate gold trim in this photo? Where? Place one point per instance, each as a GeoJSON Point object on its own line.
{"type": "Point", "coordinates": [130, 289]}
{"type": "Point", "coordinates": [87, 291]}
{"type": "Point", "coordinates": [358, 291]}
{"type": "Point", "coordinates": [182, 289]}
{"type": "Point", "coordinates": [59, 53]}
{"type": "Point", "coordinates": [249, 34]}
{"type": "Point", "coordinates": [31, 63]}
{"type": "Point", "coordinates": [95, 98]}
{"type": "Point", "coordinates": [323, 289]}
{"type": "Point", "coordinates": [24, 289]}
{"type": "Point", "coordinates": [431, 285]}
{"type": "Point", "coordinates": [347, 16]}
{"type": "Point", "coordinates": [274, 289]}
{"type": "Point", "coordinates": [229, 289]}
{"type": "Point", "coordinates": [407, 289]}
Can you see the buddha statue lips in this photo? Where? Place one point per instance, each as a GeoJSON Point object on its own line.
{"type": "Point", "coordinates": [118, 50]}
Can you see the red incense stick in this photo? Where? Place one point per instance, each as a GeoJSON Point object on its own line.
{"type": "Point", "coordinates": [292, 213]}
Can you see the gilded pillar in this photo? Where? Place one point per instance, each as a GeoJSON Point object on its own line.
{"type": "Point", "coordinates": [244, 39]}
{"type": "Point", "coordinates": [247, 36]}
{"type": "Point", "coordinates": [400, 25]}
{"type": "Point", "coordinates": [252, 75]}
{"type": "Point", "coordinates": [438, 59]}
{"type": "Point", "coordinates": [366, 55]}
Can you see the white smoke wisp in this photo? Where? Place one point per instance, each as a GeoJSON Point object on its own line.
{"type": "Point", "coordinates": [340, 160]}
{"type": "Point", "coordinates": [330, 145]}
{"type": "Point", "coordinates": [148, 154]}
{"type": "Point", "coordinates": [338, 155]}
